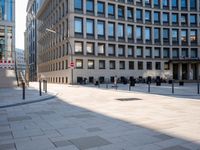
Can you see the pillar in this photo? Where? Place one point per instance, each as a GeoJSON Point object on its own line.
{"type": "Point", "coordinates": [180, 71]}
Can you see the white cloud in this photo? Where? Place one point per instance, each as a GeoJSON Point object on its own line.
{"type": "Point", "coordinates": [20, 22]}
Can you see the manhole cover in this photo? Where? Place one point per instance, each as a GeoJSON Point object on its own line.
{"type": "Point", "coordinates": [128, 99]}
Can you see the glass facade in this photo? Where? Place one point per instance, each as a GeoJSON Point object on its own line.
{"type": "Point", "coordinates": [6, 29]}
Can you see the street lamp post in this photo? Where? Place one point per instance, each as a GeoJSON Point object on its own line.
{"type": "Point", "coordinates": [71, 55]}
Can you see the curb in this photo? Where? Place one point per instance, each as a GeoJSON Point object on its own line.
{"type": "Point", "coordinates": [28, 102]}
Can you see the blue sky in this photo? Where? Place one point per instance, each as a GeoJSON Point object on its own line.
{"type": "Point", "coordinates": [20, 18]}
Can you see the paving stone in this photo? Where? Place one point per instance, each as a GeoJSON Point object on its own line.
{"type": "Point", "coordinates": [7, 133]}
{"type": "Point", "coordinates": [89, 142]}
{"type": "Point", "coordinates": [62, 143]}
{"type": "Point", "coordinates": [163, 137]}
{"type": "Point", "coordinates": [7, 146]}
{"type": "Point", "coordinates": [176, 148]}
{"type": "Point", "coordinates": [81, 116]}
{"type": "Point", "coordinates": [93, 129]}
{"type": "Point", "coordinates": [19, 118]}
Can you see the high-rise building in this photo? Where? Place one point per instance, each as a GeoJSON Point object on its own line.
{"type": "Point", "coordinates": [101, 39]}
{"type": "Point", "coordinates": [7, 34]}
{"type": "Point", "coordinates": [31, 41]}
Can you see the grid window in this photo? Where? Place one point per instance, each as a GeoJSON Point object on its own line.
{"type": "Point", "coordinates": [149, 65]}
{"type": "Point", "coordinates": [156, 3]}
{"type": "Point", "coordinates": [120, 12]}
{"type": "Point", "coordinates": [166, 35]}
{"type": "Point", "coordinates": [194, 53]}
{"type": "Point", "coordinates": [139, 14]}
{"type": "Point", "coordinates": [100, 8]}
{"type": "Point", "coordinates": [184, 36]}
{"type": "Point", "coordinates": [166, 53]}
{"type": "Point", "coordinates": [131, 65]}
{"type": "Point", "coordinates": [78, 25]}
{"type": "Point", "coordinates": [148, 34]}
{"type": "Point", "coordinates": [165, 17]}
{"type": "Point", "coordinates": [102, 64]}
{"type": "Point", "coordinates": [174, 4]}
{"type": "Point", "coordinates": [130, 32]}
{"type": "Point", "coordinates": [139, 33]}
{"type": "Point", "coordinates": [121, 50]}
{"type": "Point", "coordinates": [90, 5]}
{"type": "Point", "coordinates": [139, 52]}
{"type": "Point", "coordinates": [165, 3]}
{"type": "Point", "coordinates": [193, 19]}
{"type": "Point", "coordinates": [112, 64]}
{"type": "Point", "coordinates": [111, 10]}
{"type": "Point", "coordinates": [148, 16]}
{"type": "Point", "coordinates": [174, 18]}
{"type": "Point", "coordinates": [121, 64]}
{"type": "Point", "coordinates": [111, 50]}
{"type": "Point", "coordinates": [140, 65]}
{"type": "Point", "coordinates": [193, 4]}
{"type": "Point", "coordinates": [157, 52]}
{"type": "Point", "coordinates": [101, 28]}
{"type": "Point", "coordinates": [158, 66]}
{"type": "Point", "coordinates": [175, 36]}
{"type": "Point", "coordinates": [157, 35]}
{"type": "Point", "coordinates": [101, 49]}
{"type": "Point", "coordinates": [148, 52]}
{"type": "Point", "coordinates": [183, 19]}
{"type": "Point", "coordinates": [156, 17]}
{"type": "Point", "coordinates": [130, 51]}
{"type": "Point", "coordinates": [183, 4]}
{"type": "Point", "coordinates": [193, 36]}
{"type": "Point", "coordinates": [90, 48]}
{"type": "Point", "coordinates": [90, 64]}
{"type": "Point", "coordinates": [79, 47]}
{"type": "Point", "coordinates": [90, 26]}
{"type": "Point", "coordinates": [184, 52]}
{"type": "Point", "coordinates": [111, 28]}
{"type": "Point", "coordinates": [120, 31]}
{"type": "Point", "coordinates": [175, 53]}
{"type": "Point", "coordinates": [78, 5]}
{"type": "Point", "coordinates": [130, 13]}
{"type": "Point", "coordinates": [166, 66]}
{"type": "Point", "coordinates": [79, 64]}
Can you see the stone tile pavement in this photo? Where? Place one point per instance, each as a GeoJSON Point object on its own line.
{"type": "Point", "coordinates": [84, 118]}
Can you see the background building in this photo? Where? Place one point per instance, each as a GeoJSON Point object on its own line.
{"type": "Point", "coordinates": [20, 59]}
{"type": "Point", "coordinates": [125, 38]}
{"type": "Point", "coordinates": [7, 34]}
{"type": "Point", "coordinates": [31, 41]}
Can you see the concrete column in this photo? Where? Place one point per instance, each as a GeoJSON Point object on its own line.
{"type": "Point", "coordinates": [180, 71]}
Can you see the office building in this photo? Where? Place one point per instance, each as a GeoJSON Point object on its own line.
{"type": "Point", "coordinates": [100, 39]}
{"type": "Point", "coordinates": [31, 41]}
{"type": "Point", "coordinates": [7, 34]}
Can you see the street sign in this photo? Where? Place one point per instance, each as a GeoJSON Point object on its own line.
{"type": "Point", "coordinates": [72, 65]}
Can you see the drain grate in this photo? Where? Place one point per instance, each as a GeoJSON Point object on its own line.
{"type": "Point", "coordinates": [128, 99]}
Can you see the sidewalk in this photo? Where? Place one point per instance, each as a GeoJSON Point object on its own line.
{"type": "Point", "coordinates": [13, 96]}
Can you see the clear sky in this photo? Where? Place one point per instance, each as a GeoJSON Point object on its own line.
{"type": "Point", "coordinates": [20, 20]}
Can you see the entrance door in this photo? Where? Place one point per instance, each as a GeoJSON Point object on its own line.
{"type": "Point", "coordinates": [184, 71]}
{"type": "Point", "coordinates": [175, 71]}
{"type": "Point", "coordinates": [194, 71]}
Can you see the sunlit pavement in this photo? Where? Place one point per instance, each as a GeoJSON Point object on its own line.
{"type": "Point", "coordinates": [100, 119]}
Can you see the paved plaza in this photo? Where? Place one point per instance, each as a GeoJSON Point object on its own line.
{"type": "Point", "coordinates": [92, 118]}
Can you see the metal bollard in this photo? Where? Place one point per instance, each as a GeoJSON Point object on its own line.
{"type": "Point", "coordinates": [172, 86]}
{"type": "Point", "coordinates": [198, 88]}
{"type": "Point", "coordinates": [46, 87]}
{"type": "Point", "coordinates": [23, 90]}
{"type": "Point", "coordinates": [107, 84]}
{"type": "Point", "coordinates": [40, 90]}
{"type": "Point", "coordinates": [149, 87]}
{"type": "Point", "coordinates": [129, 86]}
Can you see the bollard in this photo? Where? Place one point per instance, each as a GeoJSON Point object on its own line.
{"type": "Point", "coordinates": [198, 88]}
{"type": "Point", "coordinates": [23, 90]}
{"type": "Point", "coordinates": [149, 87]}
{"type": "Point", "coordinates": [46, 87]}
{"type": "Point", "coordinates": [172, 86]}
{"type": "Point", "coordinates": [129, 86]}
{"type": "Point", "coordinates": [99, 84]}
{"type": "Point", "coordinates": [40, 90]}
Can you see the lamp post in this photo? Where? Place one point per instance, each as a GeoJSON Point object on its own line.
{"type": "Point", "coordinates": [71, 55]}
